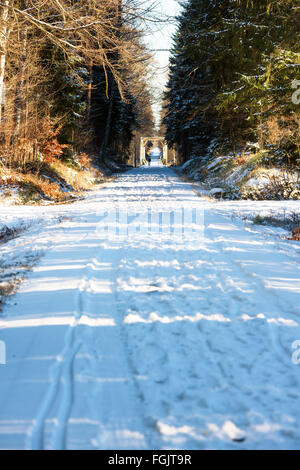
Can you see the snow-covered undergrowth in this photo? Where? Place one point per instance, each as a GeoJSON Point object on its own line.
{"type": "Point", "coordinates": [53, 182]}
{"type": "Point", "coordinates": [243, 177]}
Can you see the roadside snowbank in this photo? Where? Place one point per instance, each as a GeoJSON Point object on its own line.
{"type": "Point", "coordinates": [244, 177]}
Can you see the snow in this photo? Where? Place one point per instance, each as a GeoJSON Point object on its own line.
{"type": "Point", "coordinates": [215, 191]}
{"type": "Point", "coordinates": [138, 329]}
{"type": "Point", "coordinates": [216, 162]}
{"type": "Point", "coordinates": [237, 175]}
{"type": "Point", "coordinates": [186, 164]}
{"type": "Point", "coordinates": [260, 181]}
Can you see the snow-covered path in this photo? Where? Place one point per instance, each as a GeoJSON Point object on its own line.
{"type": "Point", "coordinates": [154, 321]}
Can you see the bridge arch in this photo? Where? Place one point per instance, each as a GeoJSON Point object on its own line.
{"type": "Point", "coordinates": [159, 141]}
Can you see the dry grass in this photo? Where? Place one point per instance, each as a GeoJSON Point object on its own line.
{"type": "Point", "coordinates": [12, 275]}
{"type": "Point", "coordinates": [79, 179]}
{"type": "Point", "coordinates": [7, 288]}
{"type": "Point", "coordinates": [296, 234]}
{"type": "Point", "coordinates": [8, 233]}
{"type": "Point", "coordinates": [32, 187]}
{"type": "Point", "coordinates": [55, 181]}
{"type": "Point", "coordinates": [241, 159]}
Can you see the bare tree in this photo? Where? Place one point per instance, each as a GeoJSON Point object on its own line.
{"type": "Point", "coordinates": [3, 42]}
{"type": "Point", "coordinates": [89, 33]}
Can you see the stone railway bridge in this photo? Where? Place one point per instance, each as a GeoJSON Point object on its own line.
{"type": "Point", "coordinates": [168, 155]}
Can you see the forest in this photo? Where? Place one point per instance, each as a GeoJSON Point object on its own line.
{"type": "Point", "coordinates": [77, 93]}
{"type": "Point", "coordinates": [234, 80]}
{"type": "Point", "coordinates": [73, 88]}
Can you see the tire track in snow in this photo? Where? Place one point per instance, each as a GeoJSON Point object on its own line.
{"type": "Point", "coordinates": [61, 374]}
{"type": "Point", "coordinates": [151, 349]}
{"type": "Point", "coordinates": [61, 378]}
{"type": "Point", "coordinates": [151, 358]}
{"type": "Point", "coordinates": [231, 302]}
{"type": "Point", "coordinates": [130, 372]}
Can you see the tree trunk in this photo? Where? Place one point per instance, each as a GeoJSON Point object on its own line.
{"type": "Point", "coordinates": [112, 87]}
{"type": "Point", "coordinates": [90, 89]}
{"type": "Point", "coordinates": [3, 42]}
{"type": "Point", "coordinates": [108, 123]}
{"type": "Point", "coordinates": [20, 89]}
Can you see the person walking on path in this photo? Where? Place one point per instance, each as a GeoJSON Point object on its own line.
{"type": "Point", "coordinates": [148, 158]}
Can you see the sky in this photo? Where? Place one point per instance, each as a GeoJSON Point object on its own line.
{"type": "Point", "coordinates": [160, 37]}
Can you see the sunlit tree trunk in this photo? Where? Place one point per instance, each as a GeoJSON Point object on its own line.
{"type": "Point", "coordinates": [113, 90]}
{"type": "Point", "coordinates": [19, 102]}
{"type": "Point", "coordinates": [89, 105]}
{"type": "Point", "coordinates": [108, 121]}
{"type": "Point", "coordinates": [3, 41]}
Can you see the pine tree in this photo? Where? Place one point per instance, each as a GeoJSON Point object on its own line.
{"type": "Point", "coordinates": [231, 71]}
